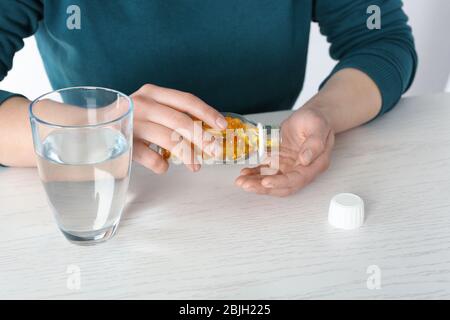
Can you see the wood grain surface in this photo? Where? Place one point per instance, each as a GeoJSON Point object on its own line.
{"type": "Point", "coordinates": [196, 236]}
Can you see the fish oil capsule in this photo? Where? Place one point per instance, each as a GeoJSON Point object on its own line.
{"type": "Point", "coordinates": [243, 139]}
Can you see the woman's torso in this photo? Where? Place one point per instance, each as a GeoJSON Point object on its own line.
{"type": "Point", "coordinates": [242, 56]}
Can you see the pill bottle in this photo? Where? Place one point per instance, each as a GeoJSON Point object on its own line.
{"type": "Point", "coordinates": [243, 142]}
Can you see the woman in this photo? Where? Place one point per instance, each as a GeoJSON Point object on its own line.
{"type": "Point", "coordinates": [181, 58]}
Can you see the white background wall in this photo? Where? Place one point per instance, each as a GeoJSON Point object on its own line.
{"type": "Point", "coordinates": [430, 20]}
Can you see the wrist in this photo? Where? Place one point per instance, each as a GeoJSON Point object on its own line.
{"type": "Point", "coordinates": [325, 110]}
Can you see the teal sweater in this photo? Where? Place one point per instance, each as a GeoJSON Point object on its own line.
{"type": "Point", "coordinates": [245, 56]}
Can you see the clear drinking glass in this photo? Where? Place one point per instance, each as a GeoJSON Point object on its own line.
{"type": "Point", "coordinates": [83, 142]}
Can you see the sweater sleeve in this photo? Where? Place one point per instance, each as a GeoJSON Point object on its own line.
{"type": "Point", "coordinates": [18, 19]}
{"type": "Point", "coordinates": [387, 55]}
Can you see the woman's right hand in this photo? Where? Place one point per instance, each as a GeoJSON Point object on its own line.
{"type": "Point", "coordinates": [163, 117]}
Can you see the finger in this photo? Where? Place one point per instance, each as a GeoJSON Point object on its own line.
{"type": "Point", "coordinates": [250, 171]}
{"type": "Point", "coordinates": [277, 162]}
{"type": "Point", "coordinates": [281, 192]}
{"type": "Point", "coordinates": [253, 185]}
{"type": "Point", "coordinates": [186, 102]}
{"type": "Point", "coordinates": [272, 165]}
{"type": "Point", "coordinates": [282, 159]}
{"type": "Point", "coordinates": [299, 176]}
{"type": "Point", "coordinates": [322, 163]}
{"type": "Point", "coordinates": [148, 158]}
{"type": "Point", "coordinates": [292, 179]}
{"type": "Point", "coordinates": [241, 179]}
{"type": "Point", "coordinates": [312, 148]}
{"type": "Point", "coordinates": [177, 121]}
{"type": "Point", "coordinates": [167, 139]}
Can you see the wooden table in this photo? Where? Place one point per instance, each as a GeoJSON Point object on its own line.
{"type": "Point", "coordinates": [197, 236]}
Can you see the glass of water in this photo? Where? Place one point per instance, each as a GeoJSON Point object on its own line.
{"type": "Point", "coordinates": [83, 142]}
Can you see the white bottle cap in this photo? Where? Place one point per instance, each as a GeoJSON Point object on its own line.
{"type": "Point", "coordinates": [346, 211]}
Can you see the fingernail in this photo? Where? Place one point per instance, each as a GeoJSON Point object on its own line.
{"type": "Point", "coordinates": [249, 188]}
{"type": "Point", "coordinates": [196, 167]}
{"type": "Point", "coordinates": [267, 184]}
{"type": "Point", "coordinates": [222, 123]}
{"type": "Point", "coordinates": [307, 157]}
{"type": "Point", "coordinates": [245, 185]}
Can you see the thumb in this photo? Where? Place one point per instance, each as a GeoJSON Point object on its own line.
{"type": "Point", "coordinates": [311, 149]}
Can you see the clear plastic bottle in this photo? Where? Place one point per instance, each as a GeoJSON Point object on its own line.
{"type": "Point", "coordinates": [244, 141]}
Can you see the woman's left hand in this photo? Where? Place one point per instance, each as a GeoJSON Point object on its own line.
{"type": "Point", "coordinates": [305, 152]}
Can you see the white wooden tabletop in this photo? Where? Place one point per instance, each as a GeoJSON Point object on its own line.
{"type": "Point", "coordinates": [196, 236]}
